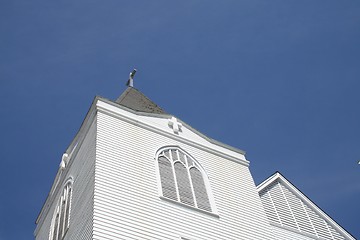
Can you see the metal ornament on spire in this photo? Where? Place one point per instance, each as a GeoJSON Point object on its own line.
{"type": "Point", "coordinates": [130, 82]}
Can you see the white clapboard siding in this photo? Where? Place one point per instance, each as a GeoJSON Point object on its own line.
{"type": "Point", "coordinates": [126, 198]}
{"type": "Point", "coordinates": [81, 170]}
{"type": "Point", "coordinates": [285, 209]}
{"type": "Point", "coordinates": [116, 188]}
{"type": "Point", "coordinates": [160, 124]}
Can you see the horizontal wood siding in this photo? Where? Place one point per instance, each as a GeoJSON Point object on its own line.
{"type": "Point", "coordinates": [126, 198]}
{"type": "Point", "coordinates": [44, 226]}
{"type": "Point", "coordinates": [82, 171]}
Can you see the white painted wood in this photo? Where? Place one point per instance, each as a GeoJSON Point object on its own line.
{"type": "Point", "coordinates": [116, 191]}
{"type": "Point", "coordinates": [160, 125]}
{"type": "Point", "coordinates": [81, 169]}
{"type": "Point", "coordinates": [295, 212]}
{"type": "Point", "coordinates": [127, 204]}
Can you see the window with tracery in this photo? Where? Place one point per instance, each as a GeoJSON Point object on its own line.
{"type": "Point", "coordinates": [182, 178]}
{"type": "Point", "coordinates": [61, 219]}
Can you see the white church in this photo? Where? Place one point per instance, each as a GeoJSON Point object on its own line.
{"type": "Point", "coordinates": [134, 171]}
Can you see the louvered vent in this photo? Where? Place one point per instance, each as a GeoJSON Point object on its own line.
{"type": "Point", "coordinates": [283, 207]}
{"type": "Point", "coordinates": [201, 195]}
{"type": "Point", "coordinates": [182, 179]}
{"type": "Point", "coordinates": [183, 182]}
{"type": "Point", "coordinates": [167, 178]}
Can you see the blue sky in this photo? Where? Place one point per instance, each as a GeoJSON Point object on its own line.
{"type": "Point", "coordinates": [278, 79]}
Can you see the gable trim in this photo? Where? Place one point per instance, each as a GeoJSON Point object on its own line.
{"type": "Point", "coordinates": [113, 110]}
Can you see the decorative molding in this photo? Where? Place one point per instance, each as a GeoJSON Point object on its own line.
{"type": "Point", "coordinates": [175, 125]}
{"type": "Point", "coordinates": [190, 207]}
{"type": "Point", "coordinates": [166, 116]}
{"type": "Point", "coordinates": [132, 120]}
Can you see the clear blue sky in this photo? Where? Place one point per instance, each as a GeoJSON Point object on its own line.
{"type": "Point", "coordinates": [279, 79]}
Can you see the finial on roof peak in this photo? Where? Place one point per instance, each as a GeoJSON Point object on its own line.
{"type": "Point", "coordinates": [130, 82]}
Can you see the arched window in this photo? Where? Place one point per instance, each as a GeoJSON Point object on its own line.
{"type": "Point", "coordinates": [182, 178]}
{"type": "Point", "coordinates": [61, 218]}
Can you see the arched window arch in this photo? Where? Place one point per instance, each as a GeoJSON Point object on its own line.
{"type": "Point", "coordinates": [182, 178]}
{"type": "Point", "coordinates": [61, 218]}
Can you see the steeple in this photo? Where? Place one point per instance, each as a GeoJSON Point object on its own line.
{"type": "Point", "coordinates": [136, 100]}
{"type": "Point", "coordinates": [135, 172]}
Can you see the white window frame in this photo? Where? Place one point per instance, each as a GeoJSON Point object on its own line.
{"type": "Point", "coordinates": [67, 193]}
{"type": "Point", "coordinates": [199, 167]}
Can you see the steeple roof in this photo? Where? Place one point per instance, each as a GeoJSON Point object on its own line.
{"type": "Point", "coordinates": [137, 101]}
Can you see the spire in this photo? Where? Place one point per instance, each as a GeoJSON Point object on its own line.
{"type": "Point", "coordinates": [136, 100]}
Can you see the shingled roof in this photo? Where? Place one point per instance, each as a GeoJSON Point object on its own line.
{"type": "Point", "coordinates": [137, 101]}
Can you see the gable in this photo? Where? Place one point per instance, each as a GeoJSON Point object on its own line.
{"type": "Point", "coordinates": [161, 124]}
{"type": "Point", "coordinates": [287, 207]}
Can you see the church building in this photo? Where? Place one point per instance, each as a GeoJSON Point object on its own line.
{"type": "Point", "coordinates": [134, 171]}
